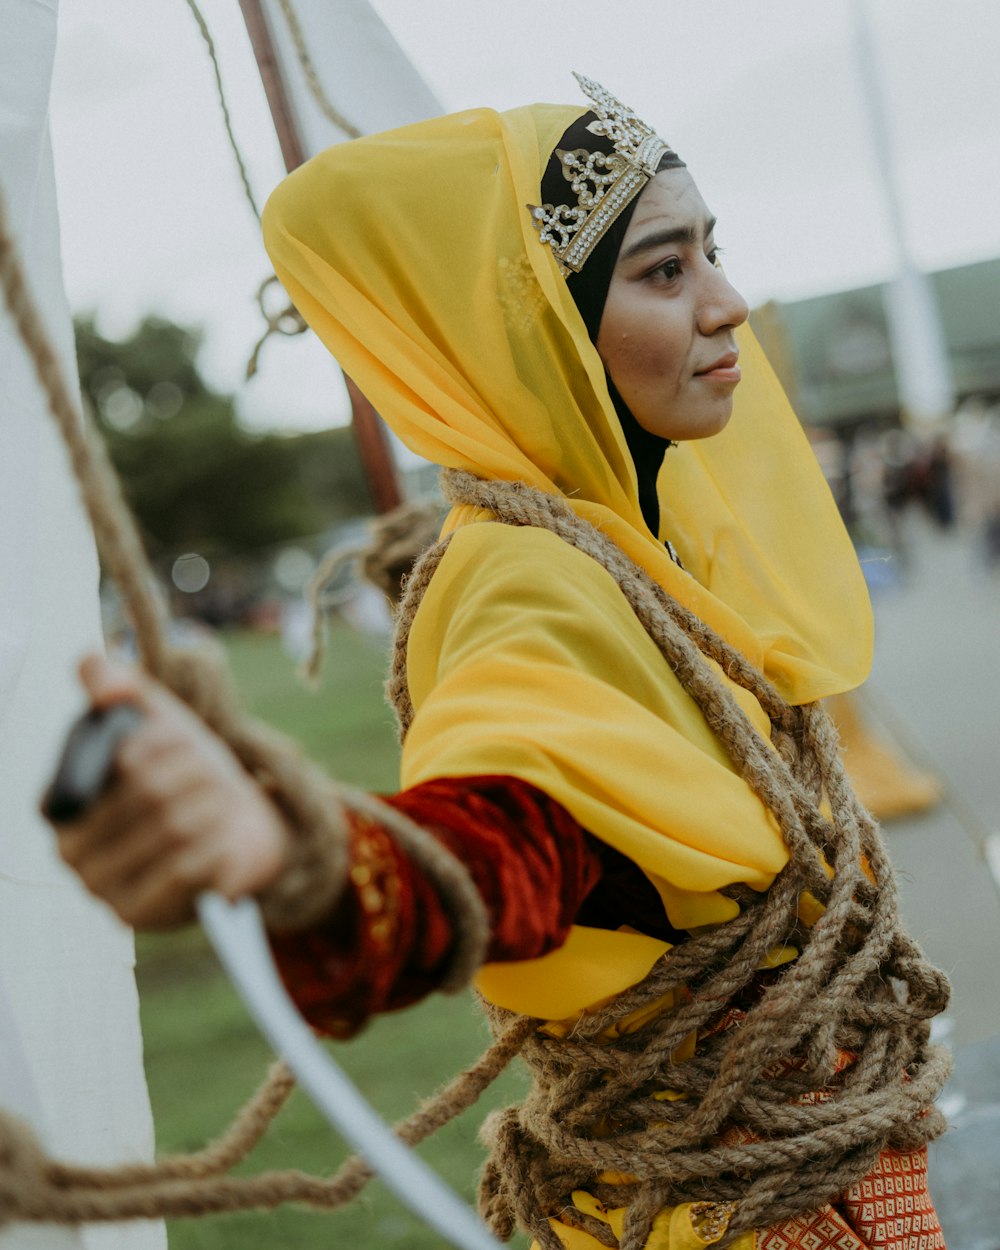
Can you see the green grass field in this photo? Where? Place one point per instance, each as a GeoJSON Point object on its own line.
{"type": "Point", "coordinates": [204, 1057]}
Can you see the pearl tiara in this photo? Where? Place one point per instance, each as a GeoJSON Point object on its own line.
{"type": "Point", "coordinates": [603, 182]}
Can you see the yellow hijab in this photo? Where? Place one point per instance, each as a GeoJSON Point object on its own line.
{"type": "Point", "coordinates": [412, 255]}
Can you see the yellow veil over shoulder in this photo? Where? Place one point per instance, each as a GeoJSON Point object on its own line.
{"type": "Point", "coordinates": [412, 255]}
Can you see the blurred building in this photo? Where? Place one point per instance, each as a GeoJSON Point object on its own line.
{"type": "Point", "coordinates": [833, 351]}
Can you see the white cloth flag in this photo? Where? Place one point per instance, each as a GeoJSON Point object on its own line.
{"type": "Point", "coordinates": [70, 1047]}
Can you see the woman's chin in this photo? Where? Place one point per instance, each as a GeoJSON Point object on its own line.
{"type": "Point", "coordinates": [702, 424]}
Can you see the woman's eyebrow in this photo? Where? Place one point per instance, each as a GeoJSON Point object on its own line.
{"type": "Point", "coordinates": [661, 238]}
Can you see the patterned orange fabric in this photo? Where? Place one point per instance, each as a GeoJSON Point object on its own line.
{"type": "Point", "coordinates": [891, 1209]}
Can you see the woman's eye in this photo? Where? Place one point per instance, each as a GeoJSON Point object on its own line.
{"type": "Point", "coordinates": [714, 255]}
{"type": "Point", "coordinates": [670, 269]}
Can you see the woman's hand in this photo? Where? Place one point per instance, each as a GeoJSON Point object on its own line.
{"type": "Point", "coordinates": [181, 815]}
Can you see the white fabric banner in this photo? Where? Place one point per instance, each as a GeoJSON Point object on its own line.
{"type": "Point", "coordinates": [70, 1047]}
{"type": "Point", "coordinates": [363, 71]}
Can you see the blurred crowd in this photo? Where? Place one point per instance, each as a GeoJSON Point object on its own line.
{"type": "Point", "coordinates": [951, 475]}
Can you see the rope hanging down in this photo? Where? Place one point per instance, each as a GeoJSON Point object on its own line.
{"type": "Point", "coordinates": [286, 320]}
{"type": "Point", "coordinates": [220, 91]}
{"type": "Point", "coordinates": [326, 106]}
{"type": "Point", "coordinates": [36, 1187]}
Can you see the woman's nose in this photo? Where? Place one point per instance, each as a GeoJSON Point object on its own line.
{"type": "Point", "coordinates": [722, 306]}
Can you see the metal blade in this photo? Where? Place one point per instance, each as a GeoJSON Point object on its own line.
{"type": "Point", "coordinates": [237, 934]}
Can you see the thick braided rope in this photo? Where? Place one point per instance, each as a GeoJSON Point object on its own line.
{"type": "Point", "coordinates": [34, 1187]}
{"type": "Point", "coordinates": [762, 1131]}
{"type": "Point", "coordinates": [316, 804]}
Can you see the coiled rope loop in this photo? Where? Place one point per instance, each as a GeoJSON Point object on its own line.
{"type": "Point", "coordinates": [761, 1124]}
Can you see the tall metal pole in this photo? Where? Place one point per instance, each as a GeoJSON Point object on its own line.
{"type": "Point", "coordinates": [369, 432]}
{"type": "Point", "coordinates": [923, 372]}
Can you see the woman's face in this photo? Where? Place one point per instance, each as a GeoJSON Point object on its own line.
{"type": "Point", "coordinates": [666, 334]}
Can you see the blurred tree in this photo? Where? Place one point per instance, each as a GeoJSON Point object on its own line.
{"type": "Point", "coordinates": [196, 480]}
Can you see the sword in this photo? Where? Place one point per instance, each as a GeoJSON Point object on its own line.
{"type": "Point", "coordinates": [236, 932]}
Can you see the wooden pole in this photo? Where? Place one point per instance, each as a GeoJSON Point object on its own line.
{"type": "Point", "coordinates": [369, 432]}
{"type": "Point", "coordinates": [292, 151]}
{"type": "Point", "coordinates": [373, 447]}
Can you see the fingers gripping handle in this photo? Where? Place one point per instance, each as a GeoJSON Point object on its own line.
{"type": "Point", "coordinates": [87, 760]}
{"type": "Point", "coordinates": [236, 932]}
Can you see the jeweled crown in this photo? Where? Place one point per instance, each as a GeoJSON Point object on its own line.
{"type": "Point", "coordinates": [604, 183]}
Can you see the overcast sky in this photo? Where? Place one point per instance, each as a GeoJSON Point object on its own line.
{"type": "Point", "coordinates": [759, 96]}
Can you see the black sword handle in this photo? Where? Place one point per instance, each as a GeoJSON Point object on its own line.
{"type": "Point", "coordinates": [87, 760]}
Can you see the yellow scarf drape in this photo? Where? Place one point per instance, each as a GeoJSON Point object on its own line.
{"type": "Point", "coordinates": [412, 255]}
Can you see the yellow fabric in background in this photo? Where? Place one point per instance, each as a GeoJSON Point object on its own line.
{"type": "Point", "coordinates": [673, 1229]}
{"type": "Point", "coordinates": [412, 255]}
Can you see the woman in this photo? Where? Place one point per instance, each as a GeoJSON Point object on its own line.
{"type": "Point", "coordinates": [535, 297]}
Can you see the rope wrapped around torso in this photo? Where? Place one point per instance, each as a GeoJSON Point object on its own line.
{"type": "Point", "coordinates": [859, 984]}
{"type": "Point", "coordinates": [765, 1121]}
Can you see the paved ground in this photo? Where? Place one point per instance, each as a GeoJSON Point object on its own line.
{"type": "Point", "coordinates": [936, 687]}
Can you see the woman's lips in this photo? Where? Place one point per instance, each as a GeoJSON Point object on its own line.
{"type": "Point", "coordinates": [725, 369]}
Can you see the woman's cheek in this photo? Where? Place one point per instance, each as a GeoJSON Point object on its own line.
{"type": "Point", "coordinates": [633, 361]}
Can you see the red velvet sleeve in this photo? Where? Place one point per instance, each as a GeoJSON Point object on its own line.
{"type": "Point", "coordinates": [389, 940]}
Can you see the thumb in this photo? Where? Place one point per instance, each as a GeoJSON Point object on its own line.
{"type": "Point", "coordinates": [110, 681]}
